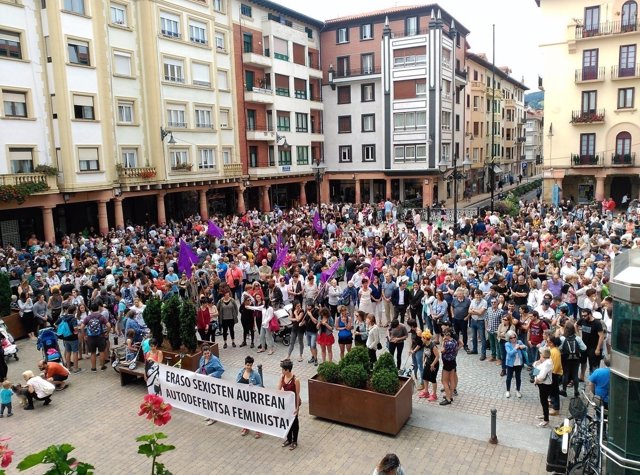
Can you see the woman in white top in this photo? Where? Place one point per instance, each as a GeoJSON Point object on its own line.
{"type": "Point", "coordinates": [37, 388]}
{"type": "Point", "coordinates": [284, 288]}
{"type": "Point", "coordinates": [544, 382]}
{"type": "Point", "coordinates": [266, 336]}
{"type": "Point", "coordinates": [373, 337]}
{"type": "Point", "coordinates": [333, 294]}
{"type": "Point", "coordinates": [364, 294]}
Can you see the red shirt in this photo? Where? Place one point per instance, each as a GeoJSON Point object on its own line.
{"type": "Point", "coordinates": [203, 318]}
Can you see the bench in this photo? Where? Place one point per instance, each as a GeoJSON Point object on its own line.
{"type": "Point", "coordinates": [130, 375]}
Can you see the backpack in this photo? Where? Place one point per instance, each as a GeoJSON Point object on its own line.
{"type": "Point", "coordinates": [94, 327]}
{"type": "Point", "coordinates": [64, 330]}
{"type": "Point", "coordinates": [570, 349]}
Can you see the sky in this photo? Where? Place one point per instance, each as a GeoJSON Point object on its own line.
{"type": "Point", "coordinates": [518, 31]}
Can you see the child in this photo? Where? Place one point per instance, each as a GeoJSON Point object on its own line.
{"type": "Point", "coordinates": [5, 398]}
{"type": "Point", "coordinates": [131, 350]}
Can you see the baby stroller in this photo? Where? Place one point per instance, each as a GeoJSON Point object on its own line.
{"type": "Point", "coordinates": [48, 343]}
{"type": "Point", "coordinates": [8, 344]}
{"type": "Point", "coordinates": [285, 324]}
{"type": "Point", "coordinates": [123, 356]}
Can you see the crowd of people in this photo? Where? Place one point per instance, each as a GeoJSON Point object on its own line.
{"type": "Point", "coordinates": [527, 293]}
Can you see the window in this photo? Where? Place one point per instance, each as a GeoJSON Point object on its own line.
{"type": "Point", "coordinates": [10, 46]}
{"type": "Point", "coordinates": [280, 49]}
{"type": "Point", "coordinates": [15, 103]}
{"type": "Point", "coordinates": [200, 74]}
{"type": "Point", "coordinates": [623, 143]}
{"type": "Point", "coordinates": [591, 20]}
{"type": "Point", "coordinates": [409, 61]}
{"type": "Point", "coordinates": [368, 153]}
{"type": "Point", "coordinates": [173, 70]}
{"type": "Point", "coordinates": [284, 157]}
{"type": "Point", "coordinates": [118, 14]}
{"type": "Point", "coordinates": [21, 160]}
{"type": "Point", "coordinates": [223, 80]}
{"type": "Point", "coordinates": [366, 31]}
{"type": "Point", "coordinates": [625, 98]}
{"type": "Point", "coordinates": [88, 159]}
{"type": "Point", "coordinates": [226, 156]}
{"type": "Point", "coordinates": [122, 63]}
{"type": "Point", "coordinates": [344, 124]}
{"type": "Point", "coordinates": [203, 118]}
{"type": "Point", "coordinates": [176, 116]}
{"type": "Point", "coordinates": [629, 16]}
{"type": "Point", "coordinates": [224, 119]}
{"type": "Point", "coordinates": [247, 43]}
{"type": "Point", "coordinates": [457, 121]}
{"type": "Point", "coordinates": [170, 25]}
{"type": "Point", "coordinates": [342, 35]}
{"type": "Point", "coordinates": [368, 122]}
{"type": "Point", "coordinates": [421, 88]}
{"type": "Point", "coordinates": [587, 145]}
{"type": "Point", "coordinates": [302, 155]}
{"type": "Point", "coordinates": [284, 122]}
{"type": "Point", "coordinates": [218, 5]}
{"type": "Point", "coordinates": [366, 61]}
{"type": "Point", "coordinates": [309, 32]}
{"type": "Point", "coordinates": [589, 101]}
{"type": "Point", "coordinates": [221, 41]}
{"type": "Point", "coordinates": [179, 158]}
{"type": "Point", "coordinates": [344, 69]}
{"type": "Point", "coordinates": [253, 156]}
{"type": "Point", "coordinates": [344, 154]}
{"type": "Point", "coordinates": [245, 10]}
{"type": "Point", "coordinates": [130, 158]}
{"type": "Point", "coordinates": [78, 52]}
{"type": "Point", "coordinates": [446, 120]}
{"type": "Point", "coordinates": [197, 32]}
{"type": "Point", "coordinates": [302, 122]}
{"type": "Point", "coordinates": [206, 159]}
{"type": "Point", "coordinates": [272, 156]}
{"type": "Point", "coordinates": [627, 60]}
{"type": "Point", "coordinates": [83, 107]}
{"type": "Point", "coordinates": [421, 119]}
{"type": "Point", "coordinates": [344, 94]}
{"type": "Point", "coordinates": [125, 112]}
{"type": "Point", "coordinates": [75, 6]}
{"type": "Point", "coordinates": [367, 92]}
{"type": "Point", "coordinates": [421, 153]}
{"type": "Point", "coordinates": [411, 26]}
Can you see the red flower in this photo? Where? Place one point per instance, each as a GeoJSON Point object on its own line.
{"type": "Point", "coordinates": [155, 409]}
{"type": "Point", "coordinates": [5, 454]}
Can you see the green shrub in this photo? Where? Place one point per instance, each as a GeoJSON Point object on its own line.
{"type": "Point", "coordinates": [354, 375]}
{"type": "Point", "coordinates": [152, 316]}
{"type": "Point", "coordinates": [358, 355]}
{"type": "Point", "coordinates": [188, 325]}
{"type": "Point", "coordinates": [385, 362]}
{"type": "Point", "coordinates": [171, 320]}
{"type": "Point", "coordinates": [385, 381]}
{"type": "Point", "coordinates": [5, 295]}
{"type": "Point", "coordinates": [329, 372]}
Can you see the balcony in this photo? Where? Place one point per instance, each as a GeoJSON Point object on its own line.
{"type": "Point", "coordinates": [477, 86]}
{"type": "Point", "coordinates": [460, 74]}
{"type": "Point", "coordinates": [176, 125]}
{"type": "Point", "coordinates": [350, 73]}
{"type": "Point", "coordinates": [590, 74]}
{"type": "Point", "coordinates": [232, 169]}
{"type": "Point", "coordinates": [510, 103]}
{"type": "Point", "coordinates": [259, 95]}
{"type": "Point", "coordinates": [136, 175]}
{"type": "Point", "coordinates": [24, 178]}
{"type": "Point", "coordinates": [255, 59]}
{"type": "Point", "coordinates": [618, 73]}
{"type": "Point", "coordinates": [260, 133]}
{"type": "Point", "coordinates": [521, 139]}
{"type": "Point", "coordinates": [587, 117]}
{"type": "Point", "coordinates": [587, 160]}
{"type": "Point", "coordinates": [606, 28]}
{"type": "Point", "coordinates": [623, 159]}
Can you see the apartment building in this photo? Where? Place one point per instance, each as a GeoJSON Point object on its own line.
{"type": "Point", "coordinates": [533, 145]}
{"type": "Point", "coordinates": [132, 102]}
{"type": "Point", "coordinates": [280, 108]}
{"type": "Point", "coordinates": [591, 118]}
{"type": "Point", "coordinates": [392, 103]}
{"type": "Point", "coordinates": [495, 118]}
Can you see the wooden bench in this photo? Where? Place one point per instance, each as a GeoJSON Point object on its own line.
{"type": "Point", "coordinates": [130, 375]}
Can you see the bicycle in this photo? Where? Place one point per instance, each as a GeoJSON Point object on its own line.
{"type": "Point", "coordinates": [584, 442]}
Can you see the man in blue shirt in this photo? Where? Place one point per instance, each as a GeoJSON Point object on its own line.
{"type": "Point", "coordinates": [599, 382]}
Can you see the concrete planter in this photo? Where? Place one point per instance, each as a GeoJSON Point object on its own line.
{"type": "Point", "coordinates": [360, 407]}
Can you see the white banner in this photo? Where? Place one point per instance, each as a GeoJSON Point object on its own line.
{"type": "Point", "coordinates": [263, 410]}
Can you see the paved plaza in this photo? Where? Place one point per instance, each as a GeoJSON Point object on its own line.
{"type": "Point", "coordinates": [99, 417]}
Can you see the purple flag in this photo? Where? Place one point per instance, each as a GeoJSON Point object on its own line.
{"type": "Point", "coordinates": [279, 245]}
{"type": "Point", "coordinates": [317, 224]}
{"type": "Point", "coordinates": [328, 273]}
{"type": "Point", "coordinates": [186, 258]}
{"type": "Point", "coordinates": [280, 258]}
{"type": "Point", "coordinates": [372, 267]}
{"type": "Point", "coordinates": [214, 230]}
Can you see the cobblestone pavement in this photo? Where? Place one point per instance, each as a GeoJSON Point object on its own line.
{"type": "Point", "coordinates": [99, 417]}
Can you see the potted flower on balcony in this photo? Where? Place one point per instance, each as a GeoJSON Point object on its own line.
{"type": "Point", "coordinates": [47, 170]}
{"type": "Point", "coordinates": [147, 174]}
{"type": "Point", "coordinates": [182, 166]}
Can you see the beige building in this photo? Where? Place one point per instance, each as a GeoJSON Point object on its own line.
{"type": "Point", "coordinates": [504, 131]}
{"type": "Point", "coordinates": [533, 145]}
{"type": "Point", "coordinates": [591, 74]}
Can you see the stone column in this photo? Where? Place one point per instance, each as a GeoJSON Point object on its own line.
{"type": "Point", "coordinates": [240, 200]}
{"type": "Point", "coordinates": [387, 191]}
{"type": "Point", "coordinates": [266, 203]}
{"type": "Point", "coordinates": [118, 214]}
{"type": "Point", "coordinates": [162, 217]}
{"type": "Point", "coordinates": [47, 223]}
{"type": "Point", "coordinates": [324, 190]}
{"type": "Point", "coordinates": [427, 192]}
{"type": "Point", "coordinates": [204, 208]}
{"type": "Point", "coordinates": [303, 193]}
{"type": "Point", "coordinates": [599, 188]}
{"type": "Point", "coordinates": [357, 190]}
{"type": "Point", "coordinates": [103, 220]}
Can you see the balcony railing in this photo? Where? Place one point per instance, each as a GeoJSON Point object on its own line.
{"type": "Point", "coordinates": [181, 125]}
{"type": "Point", "coordinates": [623, 73]}
{"type": "Point", "coordinates": [411, 32]}
{"type": "Point", "coordinates": [589, 74]}
{"type": "Point", "coordinates": [132, 174]}
{"type": "Point", "coordinates": [587, 117]}
{"type": "Point", "coordinates": [587, 160]}
{"type": "Point", "coordinates": [623, 159]}
{"type": "Point", "coordinates": [606, 28]}
{"type": "Point", "coordinates": [21, 178]}
{"type": "Point", "coordinates": [232, 169]}
{"type": "Point", "coordinates": [461, 74]}
{"type": "Point", "coordinates": [347, 73]}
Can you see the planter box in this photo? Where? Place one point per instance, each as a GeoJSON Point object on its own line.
{"type": "Point", "coordinates": [215, 349]}
{"type": "Point", "coordinates": [189, 362]}
{"type": "Point", "coordinates": [360, 407]}
{"type": "Point", "coordinates": [14, 325]}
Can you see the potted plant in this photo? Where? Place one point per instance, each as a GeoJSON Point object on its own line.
{"type": "Point", "coordinates": [152, 316]}
{"type": "Point", "coordinates": [179, 318]}
{"type": "Point", "coordinates": [350, 393]}
{"type": "Point", "coordinates": [5, 295]}
{"type": "Point", "coordinates": [46, 170]}
{"type": "Point", "coordinates": [147, 174]}
{"type": "Point", "coordinates": [171, 320]}
{"type": "Point", "coordinates": [182, 166]}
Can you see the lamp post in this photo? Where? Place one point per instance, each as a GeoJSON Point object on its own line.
{"type": "Point", "coordinates": [455, 176]}
{"type": "Point", "coordinates": [318, 172]}
{"type": "Point", "coordinates": [492, 179]}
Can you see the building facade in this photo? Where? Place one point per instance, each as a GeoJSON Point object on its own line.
{"type": "Point", "coordinates": [591, 119]}
{"type": "Point", "coordinates": [393, 113]}
{"type": "Point", "coordinates": [533, 145]}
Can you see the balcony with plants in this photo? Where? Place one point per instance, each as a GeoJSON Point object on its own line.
{"type": "Point", "coordinates": [587, 160]}
{"type": "Point", "coordinates": [19, 186]}
{"type": "Point", "coordinates": [623, 159]}
{"type": "Point", "coordinates": [130, 175]}
{"type": "Point", "coordinates": [594, 116]}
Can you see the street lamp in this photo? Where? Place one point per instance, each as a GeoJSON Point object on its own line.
{"type": "Point", "coordinates": [455, 177]}
{"type": "Point", "coordinates": [285, 146]}
{"type": "Point", "coordinates": [492, 178]}
{"type": "Point", "coordinates": [164, 133]}
{"type": "Point", "coordinates": [318, 172]}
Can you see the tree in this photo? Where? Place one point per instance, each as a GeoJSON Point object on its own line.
{"type": "Point", "coordinates": [152, 316]}
{"type": "Point", "coordinates": [188, 325]}
{"type": "Point", "coordinates": [171, 320]}
{"type": "Point", "coordinates": [5, 295]}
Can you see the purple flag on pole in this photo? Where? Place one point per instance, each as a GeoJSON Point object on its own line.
{"type": "Point", "coordinates": [186, 258]}
{"type": "Point", "coordinates": [279, 245]}
{"type": "Point", "coordinates": [372, 267]}
{"type": "Point", "coordinates": [214, 230]}
{"type": "Point", "coordinates": [328, 273]}
{"type": "Point", "coordinates": [317, 224]}
{"type": "Point", "coordinates": [280, 258]}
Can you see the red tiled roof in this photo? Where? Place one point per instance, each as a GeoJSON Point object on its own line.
{"type": "Point", "coordinates": [376, 13]}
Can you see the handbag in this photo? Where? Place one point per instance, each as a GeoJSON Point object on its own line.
{"type": "Point", "coordinates": [274, 325]}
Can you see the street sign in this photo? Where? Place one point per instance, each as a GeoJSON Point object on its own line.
{"type": "Point", "coordinates": [286, 168]}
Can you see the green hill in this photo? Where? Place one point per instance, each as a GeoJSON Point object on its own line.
{"type": "Point", "coordinates": [535, 100]}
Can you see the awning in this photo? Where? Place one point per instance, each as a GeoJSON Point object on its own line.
{"type": "Point", "coordinates": [497, 169]}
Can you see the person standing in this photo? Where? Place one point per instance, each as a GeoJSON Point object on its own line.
{"type": "Point", "coordinates": [478, 312]}
{"type": "Point", "coordinates": [460, 305]}
{"type": "Point", "coordinates": [373, 338]}
{"type": "Point", "coordinates": [387, 287]}
{"type": "Point", "coordinates": [514, 360]}
{"type": "Point", "coordinates": [289, 382]}
{"type": "Point", "coordinates": [94, 326]}
{"type": "Point", "coordinates": [592, 333]}
{"type": "Point", "coordinates": [544, 380]}
{"type": "Point", "coordinates": [5, 399]}
{"type": "Point", "coordinates": [228, 315]}
{"type": "Point", "coordinates": [297, 331]}
{"type": "Point", "coordinates": [492, 322]}
{"type": "Point", "coordinates": [397, 335]}
{"type": "Point", "coordinates": [400, 299]}
{"type": "Point", "coordinates": [250, 376]}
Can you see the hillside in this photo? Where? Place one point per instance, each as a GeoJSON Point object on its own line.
{"type": "Point", "coordinates": [535, 100]}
